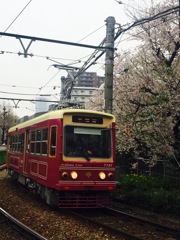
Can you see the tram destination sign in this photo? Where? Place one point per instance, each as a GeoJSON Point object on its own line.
{"type": "Point", "coordinates": [87, 119]}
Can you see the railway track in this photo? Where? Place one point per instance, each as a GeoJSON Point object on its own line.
{"type": "Point", "coordinates": [128, 226]}
{"type": "Point", "coordinates": [2, 167]}
{"type": "Point", "coordinates": [18, 228]}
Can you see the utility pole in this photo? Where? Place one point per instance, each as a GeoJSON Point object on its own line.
{"type": "Point", "coordinates": [109, 64]}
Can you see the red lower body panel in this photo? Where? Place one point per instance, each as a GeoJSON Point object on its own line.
{"type": "Point", "coordinates": [83, 186]}
{"type": "Point", "coordinates": [84, 199]}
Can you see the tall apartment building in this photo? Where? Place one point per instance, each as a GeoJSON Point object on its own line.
{"type": "Point", "coordinates": [89, 79]}
{"type": "Point", "coordinates": [82, 94]}
{"type": "Point", "coordinates": [85, 86]}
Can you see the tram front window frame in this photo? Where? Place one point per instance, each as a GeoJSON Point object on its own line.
{"type": "Point", "coordinates": [87, 142]}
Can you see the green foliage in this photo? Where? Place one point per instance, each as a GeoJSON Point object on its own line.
{"type": "Point", "coordinates": [2, 156]}
{"type": "Point", "coordinates": [157, 194]}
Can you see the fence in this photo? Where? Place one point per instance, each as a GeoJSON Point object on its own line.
{"type": "Point", "coordinates": [161, 168]}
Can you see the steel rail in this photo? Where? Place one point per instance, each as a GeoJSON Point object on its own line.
{"type": "Point", "coordinates": [131, 218]}
{"type": "Point", "coordinates": [22, 228]}
{"type": "Point", "coordinates": [159, 227]}
{"type": "Point", "coordinates": [108, 227]}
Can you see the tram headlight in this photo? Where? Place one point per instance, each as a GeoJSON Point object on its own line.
{"type": "Point", "coordinates": [74, 175]}
{"type": "Point", "coordinates": [64, 175]}
{"type": "Point", "coordinates": [102, 175]}
{"type": "Point", "coordinates": [110, 176]}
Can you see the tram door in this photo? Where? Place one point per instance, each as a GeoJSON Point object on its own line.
{"type": "Point", "coordinates": [27, 149]}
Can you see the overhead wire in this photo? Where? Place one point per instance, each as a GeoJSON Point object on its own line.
{"type": "Point", "coordinates": [91, 55]}
{"type": "Point", "coordinates": [96, 55]}
{"type": "Point", "coordinates": [25, 94]}
{"type": "Point", "coordinates": [17, 16]}
{"type": "Point", "coordinates": [41, 56]}
{"type": "Point", "coordinates": [129, 6]}
{"type": "Point", "coordinates": [135, 24]}
{"type": "Point", "coordinates": [91, 33]}
{"type": "Point", "coordinates": [48, 82]}
{"type": "Point", "coordinates": [2, 52]}
{"type": "Point", "coordinates": [134, 35]}
{"type": "Point", "coordinates": [8, 85]}
{"type": "Point", "coordinates": [146, 20]}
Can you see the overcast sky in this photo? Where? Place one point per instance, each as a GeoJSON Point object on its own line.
{"type": "Point", "coordinates": [68, 20]}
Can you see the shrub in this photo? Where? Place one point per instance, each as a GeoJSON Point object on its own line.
{"type": "Point", "coordinates": [157, 194]}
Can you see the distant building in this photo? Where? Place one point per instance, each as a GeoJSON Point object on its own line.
{"type": "Point", "coordinates": [42, 105]}
{"type": "Point", "coordinates": [89, 79]}
{"type": "Point", "coordinates": [82, 94]}
{"type": "Point", "coordinates": [85, 86]}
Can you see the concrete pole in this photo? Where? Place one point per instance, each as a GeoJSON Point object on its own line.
{"type": "Point", "coordinates": [63, 79]}
{"type": "Point", "coordinates": [109, 64]}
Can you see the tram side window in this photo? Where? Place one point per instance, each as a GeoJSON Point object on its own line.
{"type": "Point", "coordinates": [14, 144]}
{"type": "Point", "coordinates": [21, 142]}
{"type": "Point", "coordinates": [17, 143]}
{"type": "Point", "coordinates": [10, 143]}
{"type": "Point", "coordinates": [38, 141]}
{"type": "Point", "coordinates": [32, 147]}
{"type": "Point", "coordinates": [53, 141]}
{"type": "Point", "coordinates": [44, 140]}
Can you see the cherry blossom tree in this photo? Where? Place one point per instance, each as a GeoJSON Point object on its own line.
{"type": "Point", "coordinates": [147, 96]}
{"type": "Point", "coordinates": [147, 89]}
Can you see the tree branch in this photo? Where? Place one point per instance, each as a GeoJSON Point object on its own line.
{"type": "Point", "coordinates": [174, 54]}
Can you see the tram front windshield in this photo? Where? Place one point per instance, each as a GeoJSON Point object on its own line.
{"type": "Point", "coordinates": [87, 142]}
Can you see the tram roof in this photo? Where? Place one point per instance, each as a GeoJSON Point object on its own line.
{"type": "Point", "coordinates": [55, 114]}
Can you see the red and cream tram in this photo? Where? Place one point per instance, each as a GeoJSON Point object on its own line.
{"type": "Point", "coordinates": [66, 156]}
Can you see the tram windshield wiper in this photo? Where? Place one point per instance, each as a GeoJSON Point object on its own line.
{"type": "Point", "coordinates": [85, 154]}
{"type": "Point", "coordinates": [81, 147]}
